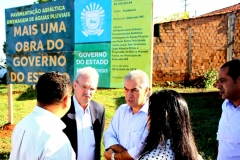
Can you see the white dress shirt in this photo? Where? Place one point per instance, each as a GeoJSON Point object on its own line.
{"type": "Point", "coordinates": [127, 129]}
{"type": "Point", "coordinates": [85, 134]}
{"type": "Point", "coordinates": [228, 134]}
{"type": "Point", "coordinates": [39, 136]}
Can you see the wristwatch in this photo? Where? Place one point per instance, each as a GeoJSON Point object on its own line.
{"type": "Point", "coordinates": [112, 158]}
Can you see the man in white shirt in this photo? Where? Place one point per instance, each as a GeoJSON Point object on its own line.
{"type": "Point", "coordinates": [86, 118]}
{"type": "Point", "coordinates": [228, 134]}
{"type": "Point", "coordinates": [128, 127]}
{"type": "Point", "coordinates": [39, 135]}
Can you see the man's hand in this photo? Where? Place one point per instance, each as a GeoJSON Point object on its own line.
{"type": "Point", "coordinates": [120, 153]}
{"type": "Point", "coordinates": [108, 154]}
{"type": "Point", "coordinates": [117, 148]}
{"type": "Point", "coordinates": [123, 156]}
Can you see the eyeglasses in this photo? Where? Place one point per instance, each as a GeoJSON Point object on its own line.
{"type": "Point", "coordinates": [85, 87]}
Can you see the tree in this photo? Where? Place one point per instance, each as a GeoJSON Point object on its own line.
{"type": "Point", "coordinates": [4, 47]}
{"type": "Point", "coordinates": [43, 1]}
{"type": "Point", "coordinates": [172, 17]}
{"type": "Point", "coordinates": [3, 61]}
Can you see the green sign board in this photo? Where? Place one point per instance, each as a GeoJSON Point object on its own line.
{"type": "Point", "coordinates": [112, 36]}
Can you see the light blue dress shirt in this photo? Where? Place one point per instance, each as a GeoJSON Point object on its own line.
{"type": "Point", "coordinates": [39, 136]}
{"type": "Point", "coordinates": [228, 132]}
{"type": "Point", "coordinates": [127, 129]}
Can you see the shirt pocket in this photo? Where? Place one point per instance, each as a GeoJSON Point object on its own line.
{"type": "Point", "coordinates": [232, 135]}
{"type": "Point", "coordinates": [136, 136]}
{"type": "Point", "coordinates": [92, 137]}
{"type": "Point", "coordinates": [88, 137]}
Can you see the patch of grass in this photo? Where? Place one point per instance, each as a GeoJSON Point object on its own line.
{"type": "Point", "coordinates": [24, 99]}
{"type": "Point", "coordinates": [4, 154]}
{"type": "Point", "coordinates": [5, 147]}
{"type": "Point", "coordinates": [205, 111]}
{"type": "Point", "coordinates": [204, 106]}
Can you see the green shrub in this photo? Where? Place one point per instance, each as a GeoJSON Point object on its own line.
{"type": "Point", "coordinates": [209, 78]}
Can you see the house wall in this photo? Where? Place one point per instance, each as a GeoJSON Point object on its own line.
{"type": "Point", "coordinates": [236, 45]}
{"type": "Point", "coordinates": [188, 48]}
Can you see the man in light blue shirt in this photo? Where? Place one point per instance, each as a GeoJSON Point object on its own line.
{"type": "Point", "coordinates": [40, 134]}
{"type": "Point", "coordinates": [229, 129]}
{"type": "Point", "coordinates": [128, 128]}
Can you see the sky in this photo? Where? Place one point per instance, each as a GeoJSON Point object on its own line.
{"type": "Point", "coordinates": [161, 8]}
{"type": "Point", "coordinates": [194, 7]}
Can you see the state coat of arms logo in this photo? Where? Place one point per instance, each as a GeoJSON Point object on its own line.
{"type": "Point", "coordinates": [92, 19]}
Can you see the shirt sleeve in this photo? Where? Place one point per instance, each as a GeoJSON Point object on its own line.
{"type": "Point", "coordinates": [223, 108]}
{"type": "Point", "coordinates": [111, 134]}
{"type": "Point", "coordinates": [134, 152]}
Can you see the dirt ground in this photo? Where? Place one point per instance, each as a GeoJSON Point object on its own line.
{"type": "Point", "coordinates": [6, 130]}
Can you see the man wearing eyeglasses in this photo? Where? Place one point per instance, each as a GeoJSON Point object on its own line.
{"type": "Point", "coordinates": [128, 127]}
{"type": "Point", "coordinates": [86, 118]}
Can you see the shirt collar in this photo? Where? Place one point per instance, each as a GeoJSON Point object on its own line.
{"type": "Point", "coordinates": [78, 107]}
{"type": "Point", "coordinates": [143, 109]}
{"type": "Point", "coordinates": [230, 104]}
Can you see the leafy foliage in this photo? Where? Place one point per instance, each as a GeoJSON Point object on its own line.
{"type": "Point", "coordinates": [209, 78]}
{"type": "Point", "coordinates": [172, 17]}
{"type": "Point", "coordinates": [43, 1]}
{"type": "Point", "coordinates": [4, 47]}
{"type": "Point", "coordinates": [205, 111]}
{"type": "Point", "coordinates": [173, 85]}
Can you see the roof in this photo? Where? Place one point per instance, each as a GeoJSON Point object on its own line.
{"type": "Point", "coordinates": [224, 10]}
{"type": "Point", "coordinates": [216, 12]}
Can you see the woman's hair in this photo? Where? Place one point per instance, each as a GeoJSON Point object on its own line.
{"type": "Point", "coordinates": [169, 119]}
